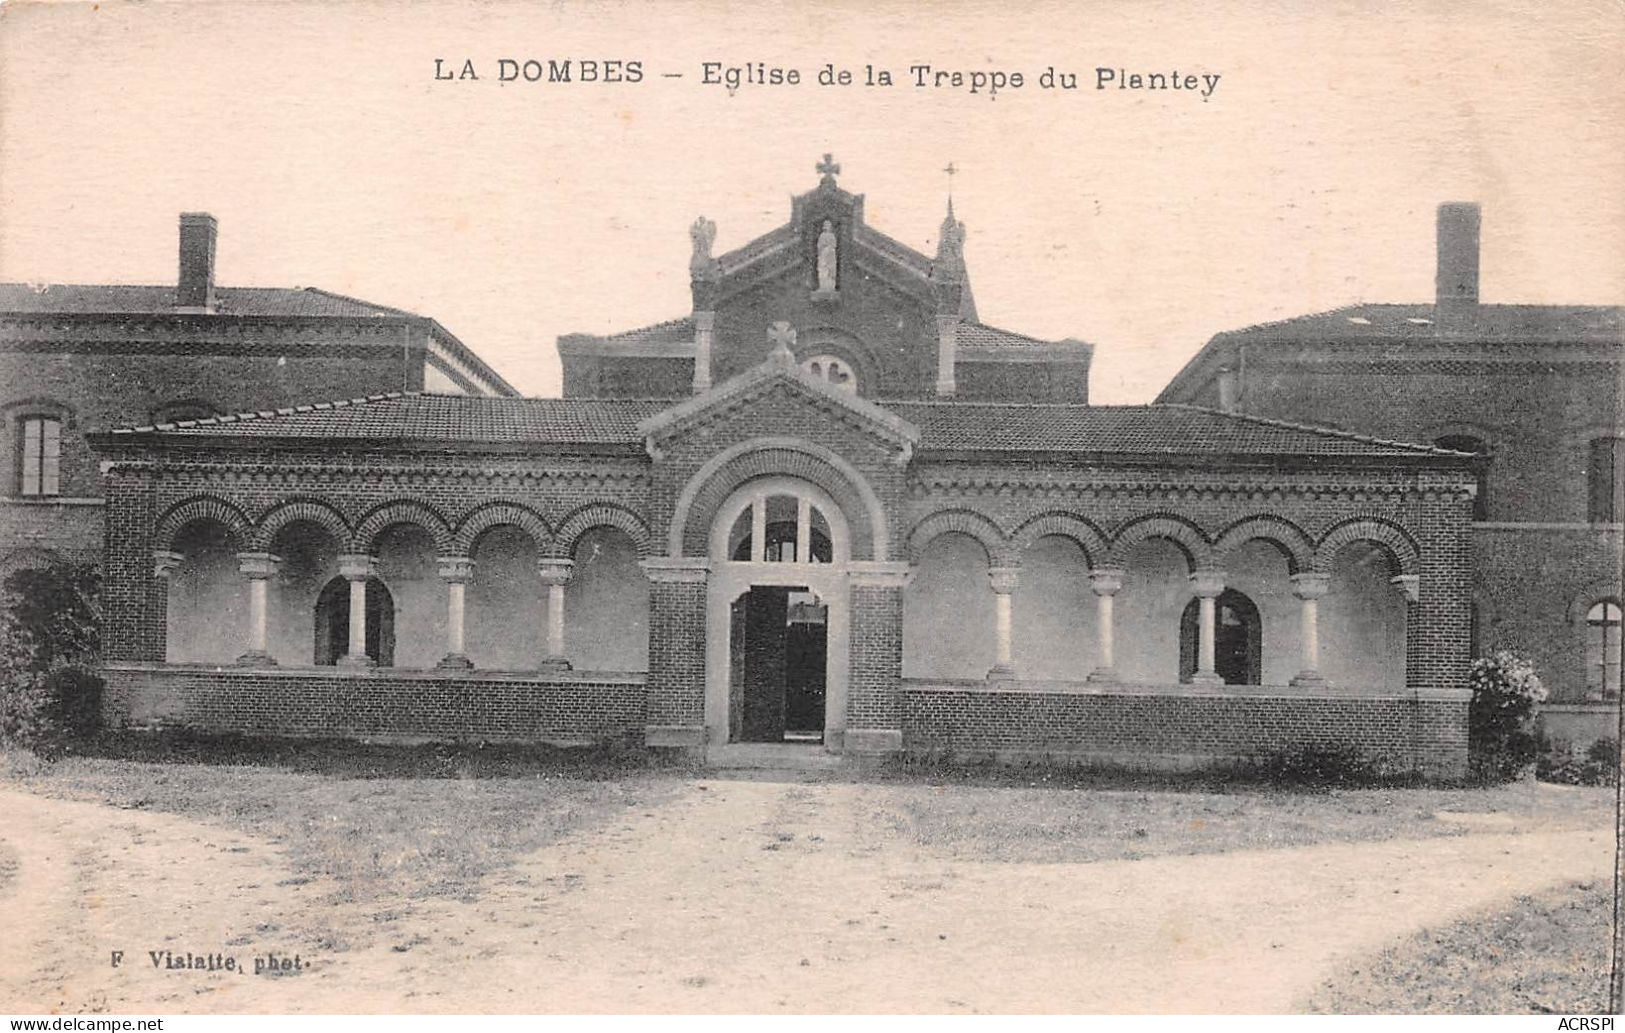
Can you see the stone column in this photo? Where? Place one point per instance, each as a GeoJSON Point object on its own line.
{"type": "Point", "coordinates": [456, 572]}
{"type": "Point", "coordinates": [1310, 588]}
{"type": "Point", "coordinates": [1106, 583]}
{"type": "Point", "coordinates": [803, 530]}
{"type": "Point", "coordinates": [874, 721]}
{"type": "Point", "coordinates": [555, 575]}
{"type": "Point", "coordinates": [356, 569]}
{"type": "Point", "coordinates": [758, 529]}
{"type": "Point", "coordinates": [258, 567]}
{"type": "Point", "coordinates": [675, 685]}
{"type": "Point", "coordinates": [1004, 581]}
{"type": "Point", "coordinates": [1207, 585]}
{"type": "Point", "coordinates": [704, 325]}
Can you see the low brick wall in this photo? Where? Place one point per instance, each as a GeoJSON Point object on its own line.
{"type": "Point", "coordinates": [567, 707]}
{"type": "Point", "coordinates": [1177, 727]}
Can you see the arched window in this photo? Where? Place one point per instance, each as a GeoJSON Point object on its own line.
{"type": "Point", "coordinates": [1603, 649]}
{"type": "Point", "coordinates": [833, 369]}
{"type": "Point", "coordinates": [333, 623]}
{"type": "Point", "coordinates": [1237, 645]}
{"type": "Point", "coordinates": [1605, 476]}
{"type": "Point", "coordinates": [184, 409]}
{"type": "Point", "coordinates": [1467, 443]}
{"type": "Point", "coordinates": [781, 521]}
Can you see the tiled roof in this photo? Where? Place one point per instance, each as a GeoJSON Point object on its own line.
{"type": "Point", "coordinates": [1533, 323]}
{"type": "Point", "coordinates": [94, 299]}
{"type": "Point", "coordinates": [670, 331]}
{"type": "Point", "coordinates": [980, 335]}
{"type": "Point", "coordinates": [1140, 430]}
{"type": "Point", "coordinates": [1011, 428]}
{"type": "Point", "coordinates": [410, 416]}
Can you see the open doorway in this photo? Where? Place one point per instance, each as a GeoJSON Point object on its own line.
{"type": "Point", "coordinates": [333, 623]}
{"type": "Point", "coordinates": [778, 648]}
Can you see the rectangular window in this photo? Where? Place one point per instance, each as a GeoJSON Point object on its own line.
{"type": "Point", "coordinates": [1607, 480]}
{"type": "Point", "coordinates": [41, 456]}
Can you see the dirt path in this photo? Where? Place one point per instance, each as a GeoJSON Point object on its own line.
{"type": "Point", "coordinates": [750, 896]}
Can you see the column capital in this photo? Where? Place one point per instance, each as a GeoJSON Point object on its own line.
{"type": "Point", "coordinates": [1207, 584]}
{"type": "Point", "coordinates": [555, 571]}
{"type": "Point", "coordinates": [164, 562]}
{"type": "Point", "coordinates": [878, 574]}
{"type": "Point", "coordinates": [257, 566]}
{"type": "Point", "coordinates": [1408, 585]}
{"type": "Point", "coordinates": [357, 566]}
{"type": "Point", "coordinates": [676, 569]}
{"type": "Point", "coordinates": [1106, 582]}
{"type": "Point", "coordinates": [1004, 579]}
{"type": "Point", "coordinates": [1311, 585]}
{"type": "Point", "coordinates": [456, 570]}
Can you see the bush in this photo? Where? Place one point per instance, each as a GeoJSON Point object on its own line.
{"type": "Point", "coordinates": [1324, 767]}
{"type": "Point", "coordinates": [1599, 766]}
{"type": "Point", "coordinates": [1506, 696]}
{"type": "Point", "coordinates": [50, 694]}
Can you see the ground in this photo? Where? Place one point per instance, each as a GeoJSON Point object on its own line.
{"type": "Point", "coordinates": [671, 890]}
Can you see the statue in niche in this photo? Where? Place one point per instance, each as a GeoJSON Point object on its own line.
{"type": "Point", "coordinates": [704, 234]}
{"type": "Point", "coordinates": [826, 258]}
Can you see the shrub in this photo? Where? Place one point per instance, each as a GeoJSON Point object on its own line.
{"type": "Point", "coordinates": [1506, 695]}
{"type": "Point", "coordinates": [1324, 767]}
{"type": "Point", "coordinates": [50, 694]}
{"type": "Point", "coordinates": [1599, 766]}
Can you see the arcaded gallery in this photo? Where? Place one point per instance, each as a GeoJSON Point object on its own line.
{"type": "Point", "coordinates": [828, 505]}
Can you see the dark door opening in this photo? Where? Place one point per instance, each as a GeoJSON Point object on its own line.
{"type": "Point", "coordinates": [778, 653]}
{"type": "Point", "coordinates": [333, 623]}
{"type": "Point", "coordinates": [1237, 644]}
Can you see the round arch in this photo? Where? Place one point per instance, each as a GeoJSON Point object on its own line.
{"type": "Point", "coordinates": [202, 507]}
{"type": "Point", "coordinates": [967, 522]}
{"type": "Point", "coordinates": [743, 497]}
{"type": "Point", "coordinates": [1186, 535]}
{"type": "Point", "coordinates": [712, 484]}
{"type": "Point", "coordinates": [402, 511]}
{"type": "Point", "coordinates": [601, 514]}
{"type": "Point", "coordinates": [1086, 535]}
{"type": "Point", "coordinates": [501, 514]}
{"type": "Point", "coordinates": [1390, 537]}
{"type": "Point", "coordinates": [292, 511]}
{"type": "Point", "coordinates": [1292, 540]}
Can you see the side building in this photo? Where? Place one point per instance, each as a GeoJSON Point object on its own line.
{"type": "Point", "coordinates": [75, 358]}
{"type": "Point", "coordinates": [1533, 391]}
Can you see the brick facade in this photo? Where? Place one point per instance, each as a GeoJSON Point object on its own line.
{"type": "Point", "coordinates": [380, 704]}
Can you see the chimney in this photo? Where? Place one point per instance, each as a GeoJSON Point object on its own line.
{"type": "Point", "coordinates": [1456, 282]}
{"type": "Point", "coordinates": [1229, 389]}
{"type": "Point", "coordinates": [198, 231]}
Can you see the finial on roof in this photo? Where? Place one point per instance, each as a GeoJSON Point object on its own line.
{"type": "Point", "coordinates": [828, 169]}
{"type": "Point", "coordinates": [950, 261]}
{"type": "Point", "coordinates": [783, 336]}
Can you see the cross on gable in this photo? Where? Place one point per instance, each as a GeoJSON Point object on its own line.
{"type": "Point", "coordinates": [828, 168]}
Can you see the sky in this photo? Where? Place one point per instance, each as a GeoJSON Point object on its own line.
{"type": "Point", "coordinates": [1142, 221]}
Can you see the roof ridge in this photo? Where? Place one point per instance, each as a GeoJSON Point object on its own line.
{"type": "Point", "coordinates": [1330, 432]}
{"type": "Point", "coordinates": [353, 300]}
{"type": "Point", "coordinates": [1266, 324]}
{"type": "Point", "coordinates": [268, 414]}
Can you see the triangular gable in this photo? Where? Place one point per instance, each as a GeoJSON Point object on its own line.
{"type": "Point", "coordinates": [780, 369]}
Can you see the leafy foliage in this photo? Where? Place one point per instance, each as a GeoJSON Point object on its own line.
{"type": "Point", "coordinates": [1599, 766]}
{"type": "Point", "coordinates": [1506, 696]}
{"type": "Point", "coordinates": [50, 694]}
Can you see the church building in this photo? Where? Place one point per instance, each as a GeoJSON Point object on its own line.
{"type": "Point", "coordinates": [829, 504]}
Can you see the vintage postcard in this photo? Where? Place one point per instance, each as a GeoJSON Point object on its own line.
{"type": "Point", "coordinates": [834, 507]}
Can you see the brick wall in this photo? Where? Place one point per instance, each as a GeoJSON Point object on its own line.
{"type": "Point", "coordinates": [379, 703]}
{"type": "Point", "coordinates": [1146, 730]}
{"type": "Point", "coordinates": [677, 654]}
{"type": "Point", "coordinates": [876, 658]}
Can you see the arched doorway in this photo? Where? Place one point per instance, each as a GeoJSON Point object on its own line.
{"type": "Point", "coordinates": [1237, 642]}
{"type": "Point", "coordinates": [333, 623]}
{"type": "Point", "coordinates": [776, 644]}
